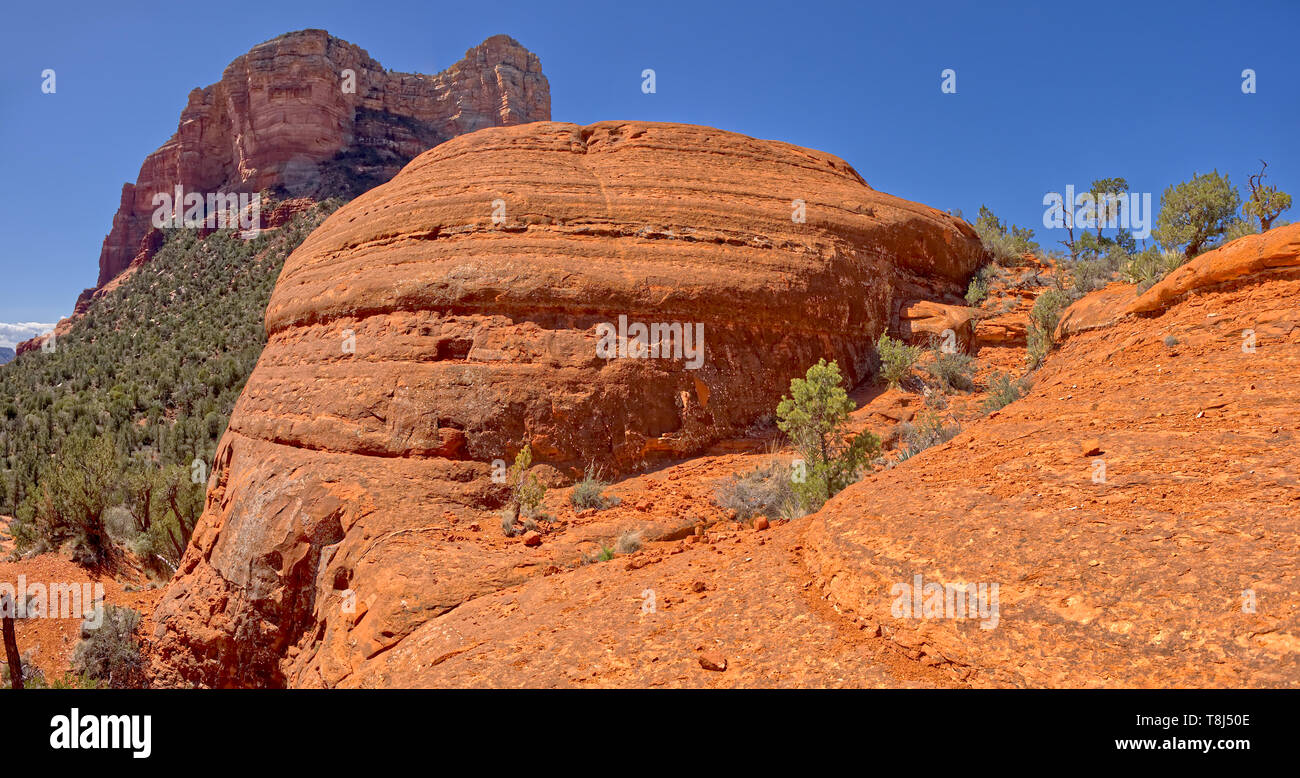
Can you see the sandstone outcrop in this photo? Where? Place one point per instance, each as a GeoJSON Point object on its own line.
{"type": "Point", "coordinates": [926, 321]}
{"type": "Point", "coordinates": [1174, 568]}
{"type": "Point", "coordinates": [1253, 258]}
{"type": "Point", "coordinates": [1249, 260]}
{"type": "Point", "coordinates": [1137, 510]}
{"type": "Point", "coordinates": [284, 118]}
{"type": "Point", "coordinates": [1101, 308]}
{"type": "Point", "coordinates": [437, 322]}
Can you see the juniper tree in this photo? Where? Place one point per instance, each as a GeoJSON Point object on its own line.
{"type": "Point", "coordinates": [815, 416]}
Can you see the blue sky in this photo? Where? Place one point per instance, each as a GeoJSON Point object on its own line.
{"type": "Point", "coordinates": [1048, 94]}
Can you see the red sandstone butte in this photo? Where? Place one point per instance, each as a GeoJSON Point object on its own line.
{"type": "Point", "coordinates": [280, 118]}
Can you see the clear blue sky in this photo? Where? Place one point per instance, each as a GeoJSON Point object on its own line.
{"type": "Point", "coordinates": [1049, 94]}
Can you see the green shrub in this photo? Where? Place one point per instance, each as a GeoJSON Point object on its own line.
{"type": "Point", "coordinates": [1148, 267]}
{"type": "Point", "coordinates": [1043, 318]}
{"type": "Point", "coordinates": [164, 506]}
{"type": "Point", "coordinates": [896, 359]}
{"type": "Point", "coordinates": [1007, 246]}
{"type": "Point", "coordinates": [75, 492]}
{"type": "Point", "coordinates": [1003, 390]}
{"type": "Point", "coordinates": [526, 491]}
{"type": "Point", "coordinates": [605, 554]}
{"type": "Point", "coordinates": [815, 417]}
{"type": "Point", "coordinates": [110, 653]}
{"type": "Point", "coordinates": [955, 371]}
{"type": "Point", "coordinates": [977, 291]}
{"type": "Point", "coordinates": [1089, 275]}
{"type": "Point", "coordinates": [74, 681]}
{"type": "Point", "coordinates": [590, 493]}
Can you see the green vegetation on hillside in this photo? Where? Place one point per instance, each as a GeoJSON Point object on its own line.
{"type": "Point", "coordinates": [816, 419]}
{"type": "Point", "coordinates": [141, 387]}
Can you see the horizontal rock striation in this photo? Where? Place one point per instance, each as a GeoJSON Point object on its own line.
{"type": "Point", "coordinates": [283, 119]}
{"type": "Point", "coordinates": [436, 323]}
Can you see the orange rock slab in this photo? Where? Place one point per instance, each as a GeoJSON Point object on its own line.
{"type": "Point", "coordinates": [437, 322]}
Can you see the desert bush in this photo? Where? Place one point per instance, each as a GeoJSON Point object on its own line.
{"type": "Point", "coordinates": [815, 417]}
{"type": "Point", "coordinates": [590, 492]}
{"type": "Point", "coordinates": [936, 398]}
{"type": "Point", "coordinates": [75, 491]}
{"type": "Point", "coordinates": [1043, 318]}
{"type": "Point", "coordinates": [767, 490]}
{"type": "Point", "coordinates": [1089, 275]}
{"type": "Point", "coordinates": [1002, 391]}
{"type": "Point", "coordinates": [111, 653]}
{"type": "Point", "coordinates": [509, 517]}
{"type": "Point", "coordinates": [1149, 266]}
{"type": "Point", "coordinates": [896, 359]}
{"type": "Point", "coordinates": [164, 505]}
{"type": "Point", "coordinates": [926, 430]}
{"type": "Point", "coordinates": [526, 491]}
{"type": "Point", "coordinates": [33, 677]}
{"type": "Point", "coordinates": [628, 543]}
{"type": "Point", "coordinates": [120, 525]}
{"type": "Point", "coordinates": [1007, 246]}
{"type": "Point", "coordinates": [977, 291]}
{"type": "Point", "coordinates": [73, 681]}
{"type": "Point", "coordinates": [955, 371]}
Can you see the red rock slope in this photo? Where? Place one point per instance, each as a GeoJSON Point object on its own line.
{"type": "Point", "coordinates": [1180, 568]}
{"type": "Point", "coordinates": [359, 471]}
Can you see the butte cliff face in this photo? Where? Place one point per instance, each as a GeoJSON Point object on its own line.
{"type": "Point", "coordinates": [311, 115]}
{"type": "Point", "coordinates": [438, 322]}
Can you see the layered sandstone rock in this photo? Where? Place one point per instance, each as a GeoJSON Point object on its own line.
{"type": "Point", "coordinates": [1137, 510]}
{"type": "Point", "coordinates": [1252, 258]}
{"type": "Point", "coordinates": [438, 322]}
{"type": "Point", "coordinates": [926, 321]}
{"type": "Point", "coordinates": [282, 118]}
{"type": "Point", "coordinates": [1101, 308]}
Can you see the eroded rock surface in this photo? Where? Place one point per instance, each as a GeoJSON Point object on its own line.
{"type": "Point", "coordinates": [1248, 259]}
{"type": "Point", "coordinates": [437, 322]}
{"type": "Point", "coordinates": [285, 117]}
{"type": "Point", "coordinates": [1138, 510]}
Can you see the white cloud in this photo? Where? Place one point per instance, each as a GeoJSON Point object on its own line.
{"type": "Point", "coordinates": [13, 334]}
